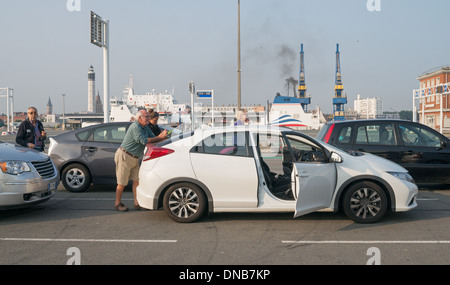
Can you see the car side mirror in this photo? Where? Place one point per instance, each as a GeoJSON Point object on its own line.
{"type": "Point", "coordinates": [334, 157]}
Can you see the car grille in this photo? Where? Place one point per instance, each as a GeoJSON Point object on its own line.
{"type": "Point", "coordinates": [44, 168]}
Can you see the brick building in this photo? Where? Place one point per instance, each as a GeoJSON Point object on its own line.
{"type": "Point", "coordinates": [432, 99]}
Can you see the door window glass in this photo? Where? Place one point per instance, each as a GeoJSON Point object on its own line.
{"type": "Point", "coordinates": [418, 136]}
{"type": "Point", "coordinates": [305, 150]}
{"type": "Point", "coordinates": [233, 143]}
{"type": "Point", "coordinates": [376, 134]}
{"type": "Point", "coordinates": [111, 134]}
{"type": "Point", "coordinates": [344, 135]}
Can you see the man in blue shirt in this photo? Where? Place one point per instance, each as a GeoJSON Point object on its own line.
{"type": "Point", "coordinates": [128, 154]}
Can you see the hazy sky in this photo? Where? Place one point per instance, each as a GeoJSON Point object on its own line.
{"type": "Point", "coordinates": [45, 49]}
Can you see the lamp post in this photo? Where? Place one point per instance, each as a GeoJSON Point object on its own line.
{"type": "Point", "coordinates": [100, 37]}
{"type": "Point", "coordinates": [239, 54]}
{"type": "Point", "coordinates": [63, 113]}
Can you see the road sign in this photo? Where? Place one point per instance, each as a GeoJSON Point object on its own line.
{"type": "Point", "coordinates": [98, 35]}
{"type": "Point", "coordinates": [204, 94]}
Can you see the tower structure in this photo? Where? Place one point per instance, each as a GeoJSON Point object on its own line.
{"type": "Point", "coordinates": [305, 100]}
{"type": "Point", "coordinates": [91, 90]}
{"type": "Point", "coordinates": [49, 107]}
{"type": "Point", "coordinates": [339, 99]}
{"type": "Point", "coordinates": [98, 104]}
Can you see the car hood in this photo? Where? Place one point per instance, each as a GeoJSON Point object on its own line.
{"type": "Point", "coordinates": [368, 160]}
{"type": "Point", "coordinates": [14, 152]}
{"type": "Point", "coordinates": [381, 162]}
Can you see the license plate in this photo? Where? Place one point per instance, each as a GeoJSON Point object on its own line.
{"type": "Point", "coordinates": [51, 186]}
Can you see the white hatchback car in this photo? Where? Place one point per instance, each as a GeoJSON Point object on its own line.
{"type": "Point", "coordinates": [267, 169]}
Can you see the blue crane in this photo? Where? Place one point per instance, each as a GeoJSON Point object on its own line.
{"type": "Point", "coordinates": [339, 99]}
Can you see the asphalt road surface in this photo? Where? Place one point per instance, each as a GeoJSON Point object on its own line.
{"type": "Point", "coordinates": [84, 228]}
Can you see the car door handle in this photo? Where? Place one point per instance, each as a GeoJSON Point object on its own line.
{"type": "Point", "coordinates": [303, 174]}
{"type": "Point", "coordinates": [91, 149]}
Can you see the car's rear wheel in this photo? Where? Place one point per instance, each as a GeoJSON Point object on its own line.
{"type": "Point", "coordinates": [365, 202]}
{"type": "Point", "coordinates": [184, 202]}
{"type": "Point", "coordinates": [76, 178]}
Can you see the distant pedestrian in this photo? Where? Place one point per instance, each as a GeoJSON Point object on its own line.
{"type": "Point", "coordinates": [31, 132]}
{"type": "Point", "coordinates": [241, 117]}
{"type": "Point", "coordinates": [127, 157]}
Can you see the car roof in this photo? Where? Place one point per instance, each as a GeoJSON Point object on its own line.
{"type": "Point", "coordinates": [368, 121]}
{"type": "Point", "coordinates": [253, 128]}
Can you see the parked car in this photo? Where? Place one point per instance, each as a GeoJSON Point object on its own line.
{"type": "Point", "coordinates": [27, 177]}
{"type": "Point", "coordinates": [267, 169]}
{"type": "Point", "coordinates": [84, 156]}
{"type": "Point", "coordinates": [424, 152]}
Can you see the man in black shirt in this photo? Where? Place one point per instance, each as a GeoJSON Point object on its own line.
{"type": "Point", "coordinates": [31, 132]}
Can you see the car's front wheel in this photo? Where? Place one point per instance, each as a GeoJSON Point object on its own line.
{"type": "Point", "coordinates": [184, 202]}
{"type": "Point", "coordinates": [365, 202]}
{"type": "Point", "coordinates": [76, 178]}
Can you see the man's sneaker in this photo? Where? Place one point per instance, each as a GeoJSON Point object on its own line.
{"type": "Point", "coordinates": [121, 207]}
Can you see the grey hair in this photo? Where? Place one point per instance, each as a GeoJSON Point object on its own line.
{"type": "Point", "coordinates": [139, 114]}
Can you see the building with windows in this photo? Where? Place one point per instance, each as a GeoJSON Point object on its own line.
{"type": "Point", "coordinates": [368, 108]}
{"type": "Point", "coordinates": [431, 101]}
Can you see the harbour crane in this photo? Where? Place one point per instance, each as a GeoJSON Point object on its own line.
{"type": "Point", "coordinates": [305, 100]}
{"type": "Point", "coordinates": [339, 99]}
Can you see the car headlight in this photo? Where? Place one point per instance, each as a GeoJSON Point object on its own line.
{"type": "Point", "coordinates": [14, 167]}
{"type": "Point", "coordinates": [403, 176]}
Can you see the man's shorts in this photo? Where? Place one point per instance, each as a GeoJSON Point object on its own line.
{"type": "Point", "coordinates": [127, 167]}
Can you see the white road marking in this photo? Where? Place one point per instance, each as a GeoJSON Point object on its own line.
{"type": "Point", "coordinates": [90, 240]}
{"type": "Point", "coordinates": [365, 241]}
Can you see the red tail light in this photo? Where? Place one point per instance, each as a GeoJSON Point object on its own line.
{"type": "Point", "coordinates": [155, 152]}
{"type": "Point", "coordinates": [327, 136]}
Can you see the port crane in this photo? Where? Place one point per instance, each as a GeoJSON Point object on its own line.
{"type": "Point", "coordinates": [339, 99]}
{"type": "Point", "coordinates": [305, 100]}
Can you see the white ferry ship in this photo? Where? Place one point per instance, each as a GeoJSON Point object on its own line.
{"type": "Point", "coordinates": [164, 103]}
{"type": "Point", "coordinates": [288, 112]}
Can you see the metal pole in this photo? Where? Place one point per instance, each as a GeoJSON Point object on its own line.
{"type": "Point", "coordinates": [212, 103]}
{"type": "Point", "coordinates": [7, 111]}
{"type": "Point", "coordinates": [441, 115]}
{"type": "Point", "coordinates": [12, 108]}
{"type": "Point", "coordinates": [239, 54]}
{"type": "Point", "coordinates": [106, 75]}
{"type": "Point", "coordinates": [64, 115]}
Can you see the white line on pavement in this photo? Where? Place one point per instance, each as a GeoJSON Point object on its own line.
{"type": "Point", "coordinates": [89, 240]}
{"type": "Point", "coordinates": [365, 241]}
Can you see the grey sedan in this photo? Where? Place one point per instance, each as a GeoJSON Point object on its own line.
{"type": "Point", "coordinates": [27, 177]}
{"type": "Point", "coordinates": [86, 155]}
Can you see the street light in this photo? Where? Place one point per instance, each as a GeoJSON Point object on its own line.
{"type": "Point", "coordinates": [239, 54]}
{"type": "Point", "coordinates": [64, 115]}
{"type": "Point", "coordinates": [100, 37]}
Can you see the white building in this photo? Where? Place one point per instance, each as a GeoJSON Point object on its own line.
{"type": "Point", "coordinates": [368, 108]}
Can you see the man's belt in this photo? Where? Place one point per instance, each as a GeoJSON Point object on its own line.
{"type": "Point", "coordinates": [128, 153]}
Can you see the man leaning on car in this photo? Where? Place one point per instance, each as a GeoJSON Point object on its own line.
{"type": "Point", "coordinates": [127, 156]}
{"type": "Point", "coordinates": [31, 132]}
